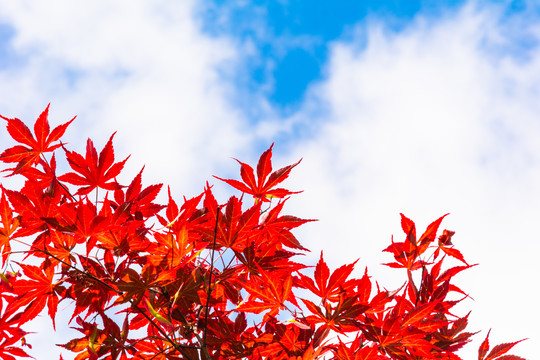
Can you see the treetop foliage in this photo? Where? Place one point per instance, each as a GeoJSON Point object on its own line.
{"type": "Point", "coordinates": [200, 278]}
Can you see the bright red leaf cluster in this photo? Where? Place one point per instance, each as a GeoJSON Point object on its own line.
{"type": "Point", "coordinates": [201, 279]}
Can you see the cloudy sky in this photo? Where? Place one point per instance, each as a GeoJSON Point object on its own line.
{"type": "Point", "coordinates": [394, 106]}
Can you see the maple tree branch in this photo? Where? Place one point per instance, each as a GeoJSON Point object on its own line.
{"type": "Point", "coordinates": [161, 352]}
{"type": "Point", "coordinates": [85, 273]}
{"type": "Point", "coordinates": [177, 346]}
{"type": "Point", "coordinates": [97, 189]}
{"type": "Point", "coordinates": [421, 284]}
{"type": "Point", "coordinates": [170, 347]}
{"type": "Point", "coordinates": [210, 283]}
{"type": "Point", "coordinates": [199, 339]}
{"type": "Point", "coordinates": [226, 267]}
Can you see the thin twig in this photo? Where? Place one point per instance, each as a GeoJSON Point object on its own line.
{"type": "Point", "coordinates": [210, 284]}
{"type": "Point", "coordinates": [421, 284]}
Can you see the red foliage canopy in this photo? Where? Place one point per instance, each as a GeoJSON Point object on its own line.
{"type": "Point", "coordinates": [204, 279]}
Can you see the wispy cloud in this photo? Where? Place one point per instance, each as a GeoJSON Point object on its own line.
{"type": "Point", "coordinates": [145, 68]}
{"type": "Point", "coordinates": [426, 121]}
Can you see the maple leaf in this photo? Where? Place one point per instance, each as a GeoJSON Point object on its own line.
{"type": "Point", "coordinates": [445, 244]}
{"type": "Point", "coordinates": [407, 252]}
{"type": "Point", "coordinates": [290, 340]}
{"type": "Point", "coordinates": [36, 292]}
{"type": "Point", "coordinates": [139, 199]}
{"type": "Point", "coordinates": [63, 244]}
{"type": "Point", "coordinates": [10, 352]}
{"type": "Point", "coordinates": [170, 249]}
{"type": "Point", "coordinates": [404, 256]}
{"type": "Point", "coordinates": [90, 288]}
{"type": "Point", "coordinates": [80, 220]}
{"type": "Point", "coordinates": [8, 226]}
{"type": "Point", "coordinates": [223, 327]}
{"type": "Point", "coordinates": [262, 188]}
{"type": "Point", "coordinates": [100, 342]}
{"type": "Point", "coordinates": [277, 228]}
{"type": "Point", "coordinates": [356, 351]}
{"type": "Point", "coordinates": [258, 256]}
{"type": "Point", "coordinates": [9, 320]}
{"type": "Point", "coordinates": [329, 287]}
{"type": "Point", "coordinates": [429, 235]}
{"type": "Point", "coordinates": [498, 351]}
{"type": "Point", "coordinates": [93, 171]}
{"type": "Point", "coordinates": [89, 346]}
{"type": "Point", "coordinates": [272, 291]}
{"type": "Point", "coordinates": [28, 155]}
{"type": "Point", "coordinates": [342, 317]}
{"type": "Point", "coordinates": [418, 314]}
{"type": "Point", "coordinates": [47, 177]}
{"type": "Point", "coordinates": [34, 204]}
{"type": "Point", "coordinates": [453, 338]}
{"type": "Point", "coordinates": [235, 226]}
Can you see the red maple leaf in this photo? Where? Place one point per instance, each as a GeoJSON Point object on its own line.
{"type": "Point", "coordinates": [341, 317]}
{"type": "Point", "coordinates": [407, 252]}
{"type": "Point", "coordinates": [94, 171]}
{"type": "Point", "coordinates": [272, 291]}
{"type": "Point", "coordinates": [326, 286]}
{"type": "Point", "coordinates": [235, 227]}
{"type": "Point", "coordinates": [28, 155]}
{"type": "Point", "coordinates": [263, 187]}
{"type": "Point", "coordinates": [445, 241]}
{"type": "Point", "coordinates": [8, 227]}
{"type": "Point", "coordinates": [357, 350]}
{"type": "Point", "coordinates": [10, 352]}
{"type": "Point", "coordinates": [497, 351]}
{"type": "Point", "coordinates": [36, 292]}
{"type": "Point", "coordinates": [277, 228]}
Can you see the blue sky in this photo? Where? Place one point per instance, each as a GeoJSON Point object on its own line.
{"type": "Point", "coordinates": [293, 49]}
{"type": "Point", "coordinates": [394, 106]}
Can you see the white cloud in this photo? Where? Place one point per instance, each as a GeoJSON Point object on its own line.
{"type": "Point", "coordinates": [427, 121]}
{"type": "Point", "coordinates": [125, 65]}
